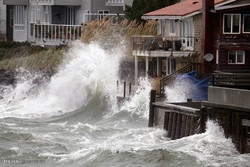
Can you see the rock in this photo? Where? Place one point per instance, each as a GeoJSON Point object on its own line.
{"type": "Point", "coordinates": [7, 77]}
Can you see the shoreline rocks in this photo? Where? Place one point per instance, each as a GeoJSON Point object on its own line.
{"type": "Point", "coordinates": [7, 77]}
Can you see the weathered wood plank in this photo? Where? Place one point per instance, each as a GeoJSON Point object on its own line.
{"type": "Point", "coordinates": [174, 126]}
{"type": "Point", "coordinates": [178, 126]}
{"type": "Point", "coordinates": [170, 122]}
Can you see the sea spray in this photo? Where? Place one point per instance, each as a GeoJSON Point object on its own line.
{"type": "Point", "coordinates": [139, 103]}
{"type": "Point", "coordinates": [97, 135]}
{"type": "Point", "coordinates": [86, 71]}
{"type": "Point", "coordinates": [180, 91]}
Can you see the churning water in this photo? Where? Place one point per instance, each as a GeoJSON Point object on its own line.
{"type": "Point", "coordinates": [73, 120]}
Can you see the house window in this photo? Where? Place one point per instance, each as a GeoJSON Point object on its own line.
{"type": "Point", "coordinates": [102, 13]}
{"type": "Point", "coordinates": [46, 14]}
{"type": "Point", "coordinates": [187, 33]}
{"type": "Point", "coordinates": [19, 18]}
{"type": "Point", "coordinates": [236, 57]}
{"type": "Point", "coordinates": [231, 24]}
{"type": "Point", "coordinates": [172, 27]}
{"type": "Point", "coordinates": [35, 16]}
{"type": "Point", "coordinates": [70, 15]}
{"type": "Point", "coordinates": [246, 23]}
{"type": "Point", "coordinates": [163, 23]}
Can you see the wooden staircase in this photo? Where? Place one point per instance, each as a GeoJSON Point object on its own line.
{"type": "Point", "coordinates": [171, 78]}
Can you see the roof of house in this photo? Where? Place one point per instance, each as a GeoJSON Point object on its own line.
{"type": "Point", "coordinates": [181, 9]}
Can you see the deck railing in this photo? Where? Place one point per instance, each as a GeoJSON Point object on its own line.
{"type": "Point", "coordinates": [97, 16]}
{"type": "Point", "coordinates": [41, 2]}
{"type": "Point", "coordinates": [230, 79]}
{"type": "Point", "coordinates": [151, 43]}
{"type": "Point", "coordinates": [55, 32]}
{"type": "Point", "coordinates": [115, 1]}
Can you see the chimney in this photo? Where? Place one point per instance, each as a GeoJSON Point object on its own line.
{"type": "Point", "coordinates": [207, 34]}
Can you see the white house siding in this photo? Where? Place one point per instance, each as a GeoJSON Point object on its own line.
{"type": "Point", "coordinates": [197, 32]}
{"type": "Point", "coordinates": [2, 18]}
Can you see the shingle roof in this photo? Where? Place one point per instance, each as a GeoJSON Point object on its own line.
{"type": "Point", "coordinates": [181, 9]}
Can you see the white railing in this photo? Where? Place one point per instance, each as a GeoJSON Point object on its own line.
{"type": "Point", "coordinates": [55, 33]}
{"type": "Point", "coordinates": [115, 1]}
{"type": "Point", "coordinates": [42, 2]}
{"type": "Point", "coordinates": [94, 16]}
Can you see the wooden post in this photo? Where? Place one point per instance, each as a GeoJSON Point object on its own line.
{"type": "Point", "coordinates": [117, 85]}
{"type": "Point", "coordinates": [191, 132]}
{"type": "Point", "coordinates": [166, 120]}
{"type": "Point", "coordinates": [130, 85]}
{"type": "Point", "coordinates": [178, 126]}
{"type": "Point", "coordinates": [187, 129]}
{"type": "Point", "coordinates": [124, 93]}
{"type": "Point", "coordinates": [183, 126]}
{"type": "Point", "coordinates": [170, 120]}
{"type": "Point", "coordinates": [203, 120]}
{"type": "Point", "coordinates": [174, 126]}
{"type": "Point", "coordinates": [151, 108]}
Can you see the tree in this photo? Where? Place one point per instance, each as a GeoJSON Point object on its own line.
{"type": "Point", "coordinates": [140, 7]}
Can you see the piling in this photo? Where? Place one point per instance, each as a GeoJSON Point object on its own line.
{"type": "Point", "coordinates": [151, 108]}
{"type": "Point", "coordinates": [130, 85]}
{"type": "Point", "coordinates": [192, 126]}
{"type": "Point", "coordinates": [166, 120]}
{"type": "Point", "coordinates": [178, 126]}
{"type": "Point", "coordinates": [174, 126]}
{"type": "Point", "coordinates": [170, 121]}
{"type": "Point", "coordinates": [187, 129]}
{"type": "Point", "coordinates": [124, 92]}
{"type": "Point", "coordinates": [183, 126]}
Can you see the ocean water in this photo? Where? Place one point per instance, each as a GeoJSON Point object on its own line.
{"type": "Point", "coordinates": [73, 120]}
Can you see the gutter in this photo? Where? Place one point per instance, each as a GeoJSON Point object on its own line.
{"type": "Point", "coordinates": [162, 17]}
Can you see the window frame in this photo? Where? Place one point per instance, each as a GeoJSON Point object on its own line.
{"type": "Point", "coordinates": [174, 27]}
{"type": "Point", "coordinates": [36, 16]}
{"type": "Point", "coordinates": [236, 55]}
{"type": "Point", "coordinates": [19, 20]}
{"type": "Point", "coordinates": [46, 14]}
{"type": "Point", "coordinates": [101, 16]}
{"type": "Point", "coordinates": [243, 26]}
{"type": "Point", "coordinates": [231, 14]}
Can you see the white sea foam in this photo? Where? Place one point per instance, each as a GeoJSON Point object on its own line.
{"type": "Point", "coordinates": [87, 71]}
{"type": "Point", "coordinates": [139, 102]}
{"type": "Point", "coordinates": [179, 91]}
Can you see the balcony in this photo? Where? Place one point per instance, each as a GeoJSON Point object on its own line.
{"type": "Point", "coordinates": [41, 2]}
{"type": "Point", "coordinates": [15, 2]}
{"type": "Point", "coordinates": [157, 46]}
{"type": "Point", "coordinates": [54, 34]}
{"type": "Point", "coordinates": [114, 2]}
{"type": "Point", "coordinates": [56, 2]}
{"type": "Point", "coordinates": [96, 16]}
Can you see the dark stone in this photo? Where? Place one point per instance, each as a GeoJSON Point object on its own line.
{"type": "Point", "coordinates": [7, 77]}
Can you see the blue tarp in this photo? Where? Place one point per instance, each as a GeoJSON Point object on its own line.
{"type": "Point", "coordinates": [197, 88]}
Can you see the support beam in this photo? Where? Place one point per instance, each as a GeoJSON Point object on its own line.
{"type": "Point", "coordinates": [158, 67]}
{"type": "Point", "coordinates": [170, 65]}
{"type": "Point", "coordinates": [167, 72]}
{"type": "Point", "coordinates": [136, 70]}
{"type": "Point", "coordinates": [147, 63]}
